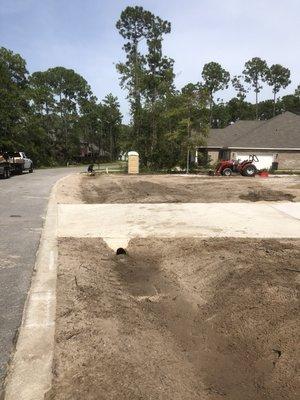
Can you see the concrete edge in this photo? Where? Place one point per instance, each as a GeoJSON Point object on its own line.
{"type": "Point", "coordinates": [30, 371]}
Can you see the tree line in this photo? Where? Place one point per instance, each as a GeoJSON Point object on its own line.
{"type": "Point", "coordinates": [53, 114]}
{"type": "Point", "coordinates": [256, 72]}
{"type": "Point", "coordinates": [167, 123]}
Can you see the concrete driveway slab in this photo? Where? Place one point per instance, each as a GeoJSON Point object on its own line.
{"type": "Point", "coordinates": [291, 209]}
{"type": "Point", "coordinates": [118, 223]}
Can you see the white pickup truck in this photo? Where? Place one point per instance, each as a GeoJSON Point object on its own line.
{"type": "Point", "coordinates": [20, 162]}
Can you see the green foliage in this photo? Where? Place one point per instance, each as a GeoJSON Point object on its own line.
{"type": "Point", "coordinates": [278, 78]}
{"type": "Point", "coordinates": [215, 78]}
{"type": "Point", "coordinates": [167, 124]}
{"type": "Point", "coordinates": [13, 102]}
{"type": "Point", "coordinates": [235, 110]}
{"type": "Point", "coordinates": [58, 96]}
{"type": "Point", "coordinates": [52, 113]}
{"type": "Point", "coordinates": [290, 103]}
{"type": "Point", "coordinates": [255, 72]}
{"type": "Point", "coordinates": [147, 76]}
{"type": "Point", "coordinates": [54, 117]}
{"type": "Point", "coordinates": [239, 86]}
{"type": "Point", "coordinates": [162, 119]}
{"type": "Point", "coordinates": [240, 110]}
{"type": "Point", "coordinates": [112, 119]}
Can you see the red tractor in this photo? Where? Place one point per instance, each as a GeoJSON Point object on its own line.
{"type": "Point", "coordinates": [245, 168]}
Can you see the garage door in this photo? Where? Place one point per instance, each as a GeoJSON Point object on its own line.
{"type": "Point", "coordinates": [264, 161]}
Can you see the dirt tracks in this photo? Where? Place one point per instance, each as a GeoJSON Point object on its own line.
{"type": "Point", "coordinates": [177, 319]}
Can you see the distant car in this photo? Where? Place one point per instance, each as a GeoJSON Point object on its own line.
{"type": "Point", "coordinates": [20, 162]}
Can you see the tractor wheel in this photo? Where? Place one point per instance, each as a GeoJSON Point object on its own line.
{"type": "Point", "coordinates": [249, 170]}
{"type": "Point", "coordinates": [226, 172]}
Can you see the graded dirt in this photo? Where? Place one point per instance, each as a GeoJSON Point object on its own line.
{"type": "Point", "coordinates": [177, 319]}
{"type": "Point", "coordinates": [177, 189]}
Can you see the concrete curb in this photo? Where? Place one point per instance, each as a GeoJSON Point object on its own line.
{"type": "Point", "coordinates": [30, 373]}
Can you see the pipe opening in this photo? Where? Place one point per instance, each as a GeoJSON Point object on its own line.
{"type": "Point", "coordinates": [120, 251]}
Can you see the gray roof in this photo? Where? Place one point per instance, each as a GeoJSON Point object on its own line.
{"type": "Point", "coordinates": [282, 131]}
{"type": "Point", "coordinates": [224, 137]}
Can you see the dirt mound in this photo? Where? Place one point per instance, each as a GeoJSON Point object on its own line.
{"type": "Point", "coordinates": [177, 319]}
{"type": "Point", "coordinates": [267, 195]}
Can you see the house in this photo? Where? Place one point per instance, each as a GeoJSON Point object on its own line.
{"type": "Point", "coordinates": [276, 142]}
{"type": "Point", "coordinates": [90, 150]}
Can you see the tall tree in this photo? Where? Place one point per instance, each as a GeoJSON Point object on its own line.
{"type": "Point", "coordinates": [239, 87]}
{"type": "Point", "coordinates": [240, 110]}
{"type": "Point", "coordinates": [91, 130]}
{"type": "Point", "coordinates": [133, 26]}
{"type": "Point", "coordinates": [215, 78]}
{"type": "Point", "coordinates": [147, 75]}
{"type": "Point", "coordinates": [297, 92]}
{"type": "Point", "coordinates": [278, 78]}
{"type": "Point", "coordinates": [187, 123]}
{"type": "Point", "coordinates": [112, 119]}
{"type": "Point", "coordinates": [194, 102]}
{"type": "Point", "coordinates": [256, 72]}
{"type": "Point", "coordinates": [14, 104]}
{"type": "Point", "coordinates": [59, 94]}
{"type": "Point", "coordinates": [159, 75]}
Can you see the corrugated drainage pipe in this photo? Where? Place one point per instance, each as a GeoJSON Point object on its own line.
{"type": "Point", "coordinates": [120, 251]}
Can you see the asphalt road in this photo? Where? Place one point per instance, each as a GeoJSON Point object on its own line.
{"type": "Point", "coordinates": [23, 203]}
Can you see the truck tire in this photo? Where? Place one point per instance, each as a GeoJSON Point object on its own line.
{"type": "Point", "coordinates": [31, 169]}
{"type": "Point", "coordinates": [249, 170]}
{"type": "Point", "coordinates": [19, 170]}
{"type": "Point", "coordinates": [6, 173]}
{"type": "Point", "coordinates": [227, 172]}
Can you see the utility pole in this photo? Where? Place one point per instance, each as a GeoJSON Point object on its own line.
{"type": "Point", "coordinates": [188, 161]}
{"type": "Point", "coordinates": [188, 149]}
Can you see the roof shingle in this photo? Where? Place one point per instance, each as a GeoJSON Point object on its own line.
{"type": "Point", "coordinates": [282, 131]}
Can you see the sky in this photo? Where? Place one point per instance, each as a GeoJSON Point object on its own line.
{"type": "Point", "coordinates": [81, 34]}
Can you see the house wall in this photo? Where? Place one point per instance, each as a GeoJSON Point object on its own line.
{"type": "Point", "coordinates": [253, 151]}
{"type": "Point", "coordinates": [289, 160]}
{"type": "Point", "coordinates": [265, 158]}
{"type": "Point", "coordinates": [214, 156]}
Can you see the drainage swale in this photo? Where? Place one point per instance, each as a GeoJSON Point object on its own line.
{"type": "Point", "coordinates": [120, 251]}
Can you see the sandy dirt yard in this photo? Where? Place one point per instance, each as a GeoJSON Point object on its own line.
{"type": "Point", "coordinates": [177, 189]}
{"type": "Point", "coordinates": [177, 319]}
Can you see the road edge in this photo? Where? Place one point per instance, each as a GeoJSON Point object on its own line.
{"type": "Point", "coordinates": [30, 371]}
